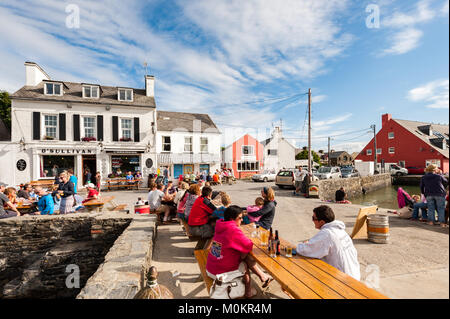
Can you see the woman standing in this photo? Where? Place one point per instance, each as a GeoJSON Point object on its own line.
{"type": "Point", "coordinates": [267, 212]}
{"type": "Point", "coordinates": [66, 190]}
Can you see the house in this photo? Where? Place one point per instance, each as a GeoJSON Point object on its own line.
{"type": "Point", "coordinates": [409, 143]}
{"type": "Point", "coordinates": [245, 156]}
{"type": "Point", "coordinates": [340, 158]}
{"type": "Point", "coordinates": [57, 125]}
{"type": "Point", "coordinates": [187, 143]}
{"type": "Point", "coordinates": [278, 152]}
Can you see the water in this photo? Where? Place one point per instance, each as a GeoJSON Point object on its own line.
{"type": "Point", "coordinates": [385, 197]}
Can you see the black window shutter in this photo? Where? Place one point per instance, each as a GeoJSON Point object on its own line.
{"type": "Point", "coordinates": [99, 127]}
{"type": "Point", "coordinates": [62, 127]}
{"type": "Point", "coordinates": [36, 125]}
{"type": "Point", "coordinates": [136, 129]}
{"type": "Point", "coordinates": [76, 127]}
{"type": "Point", "coordinates": [115, 127]}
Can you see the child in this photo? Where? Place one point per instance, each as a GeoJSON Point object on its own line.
{"type": "Point", "coordinates": [259, 203]}
{"type": "Point", "coordinates": [226, 201]}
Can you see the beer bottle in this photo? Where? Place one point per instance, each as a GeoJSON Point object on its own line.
{"type": "Point", "coordinates": [270, 239]}
{"type": "Point", "coordinates": [277, 241]}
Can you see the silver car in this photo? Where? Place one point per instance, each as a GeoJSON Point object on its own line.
{"type": "Point", "coordinates": [327, 172]}
{"type": "Point", "coordinates": [264, 176]}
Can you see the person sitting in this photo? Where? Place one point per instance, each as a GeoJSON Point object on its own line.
{"type": "Point", "coordinates": [209, 177]}
{"type": "Point", "coordinates": [138, 175]}
{"type": "Point", "coordinates": [155, 197]}
{"type": "Point", "coordinates": [46, 205]}
{"type": "Point", "coordinates": [216, 178]}
{"type": "Point", "coordinates": [267, 212]}
{"type": "Point", "coordinates": [180, 194]}
{"type": "Point", "coordinates": [403, 198]}
{"type": "Point", "coordinates": [130, 179]}
{"type": "Point", "coordinates": [186, 202]}
{"type": "Point", "coordinates": [10, 192]}
{"type": "Point", "coordinates": [420, 203]}
{"type": "Point", "coordinates": [92, 193]}
{"type": "Point", "coordinates": [248, 219]}
{"type": "Point", "coordinates": [341, 196]}
{"type": "Point", "coordinates": [226, 202]}
{"type": "Point", "coordinates": [25, 191]}
{"type": "Point", "coordinates": [199, 222]}
{"type": "Point", "coordinates": [331, 244]}
{"type": "Point", "coordinates": [7, 209]}
{"type": "Point", "coordinates": [230, 250]}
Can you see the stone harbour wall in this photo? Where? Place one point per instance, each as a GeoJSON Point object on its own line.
{"type": "Point", "coordinates": [354, 186]}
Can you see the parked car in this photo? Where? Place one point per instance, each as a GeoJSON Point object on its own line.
{"type": "Point", "coordinates": [412, 170]}
{"type": "Point", "coordinates": [348, 172]}
{"type": "Point", "coordinates": [265, 176]}
{"type": "Point", "coordinates": [397, 170]}
{"type": "Point", "coordinates": [285, 177]}
{"type": "Point", "coordinates": [327, 172]}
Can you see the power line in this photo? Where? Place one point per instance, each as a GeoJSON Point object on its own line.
{"type": "Point", "coordinates": [282, 99]}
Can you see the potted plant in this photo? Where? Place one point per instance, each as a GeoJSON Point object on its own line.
{"type": "Point", "coordinates": [49, 138]}
{"type": "Point", "coordinates": [125, 139]}
{"type": "Point", "coordinates": [88, 139]}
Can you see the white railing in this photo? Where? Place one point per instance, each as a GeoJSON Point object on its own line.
{"type": "Point", "coordinates": [187, 158]}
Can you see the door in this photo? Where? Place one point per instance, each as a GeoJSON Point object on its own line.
{"type": "Point", "coordinates": [177, 170]}
{"type": "Point", "coordinates": [89, 163]}
{"type": "Point", "coordinates": [188, 169]}
{"type": "Point", "coordinates": [204, 167]}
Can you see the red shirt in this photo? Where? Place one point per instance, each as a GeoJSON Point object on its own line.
{"type": "Point", "coordinates": [200, 211]}
{"type": "Point", "coordinates": [92, 193]}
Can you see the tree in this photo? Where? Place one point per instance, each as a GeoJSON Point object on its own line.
{"type": "Point", "coordinates": [304, 155]}
{"type": "Point", "coordinates": [5, 108]}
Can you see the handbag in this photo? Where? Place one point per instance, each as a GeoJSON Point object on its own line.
{"type": "Point", "coordinates": [228, 285]}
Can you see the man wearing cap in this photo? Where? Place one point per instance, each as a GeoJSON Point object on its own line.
{"type": "Point", "coordinates": [433, 186]}
{"type": "Point", "coordinates": [92, 192]}
{"type": "Point", "coordinates": [4, 201]}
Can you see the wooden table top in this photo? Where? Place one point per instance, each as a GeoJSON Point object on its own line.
{"type": "Point", "coordinates": [99, 201]}
{"type": "Point", "coordinates": [308, 278]}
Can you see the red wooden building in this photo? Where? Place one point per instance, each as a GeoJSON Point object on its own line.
{"type": "Point", "coordinates": [244, 156]}
{"type": "Point", "coordinates": [409, 144]}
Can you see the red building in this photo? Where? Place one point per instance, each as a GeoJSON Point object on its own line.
{"type": "Point", "coordinates": [409, 144]}
{"type": "Point", "coordinates": [244, 156]}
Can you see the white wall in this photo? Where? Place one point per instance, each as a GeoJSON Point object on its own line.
{"type": "Point", "coordinates": [285, 155]}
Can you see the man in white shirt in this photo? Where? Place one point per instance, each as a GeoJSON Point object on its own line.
{"type": "Point", "coordinates": [332, 244]}
{"type": "Point", "coordinates": [154, 201]}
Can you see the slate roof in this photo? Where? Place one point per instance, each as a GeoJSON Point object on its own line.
{"type": "Point", "coordinates": [169, 121]}
{"type": "Point", "coordinates": [337, 154]}
{"type": "Point", "coordinates": [73, 93]}
{"type": "Point", "coordinates": [443, 130]}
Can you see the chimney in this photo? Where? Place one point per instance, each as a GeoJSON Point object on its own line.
{"type": "Point", "coordinates": [34, 74]}
{"type": "Point", "coordinates": [385, 118]}
{"type": "Point", "coordinates": [150, 85]}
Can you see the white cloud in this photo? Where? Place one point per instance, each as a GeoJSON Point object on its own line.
{"type": "Point", "coordinates": [404, 41]}
{"type": "Point", "coordinates": [444, 9]}
{"type": "Point", "coordinates": [435, 94]}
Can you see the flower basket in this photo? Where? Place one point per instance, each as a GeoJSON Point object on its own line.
{"type": "Point", "coordinates": [48, 138]}
{"type": "Point", "coordinates": [88, 139]}
{"type": "Point", "coordinates": [125, 139]}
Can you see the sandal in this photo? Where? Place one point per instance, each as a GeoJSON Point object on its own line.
{"type": "Point", "coordinates": [267, 282]}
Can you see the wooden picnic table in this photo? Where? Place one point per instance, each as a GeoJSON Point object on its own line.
{"type": "Point", "coordinates": [123, 183]}
{"type": "Point", "coordinates": [98, 203]}
{"type": "Point", "coordinates": [308, 278]}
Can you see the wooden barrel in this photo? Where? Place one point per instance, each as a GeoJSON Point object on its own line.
{"type": "Point", "coordinates": [378, 228]}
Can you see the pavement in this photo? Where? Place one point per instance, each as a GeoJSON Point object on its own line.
{"type": "Point", "coordinates": [415, 264]}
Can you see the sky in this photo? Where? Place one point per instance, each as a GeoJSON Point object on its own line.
{"type": "Point", "coordinates": [248, 64]}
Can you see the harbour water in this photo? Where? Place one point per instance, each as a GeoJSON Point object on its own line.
{"type": "Point", "coordinates": [385, 197]}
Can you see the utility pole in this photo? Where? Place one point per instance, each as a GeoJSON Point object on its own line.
{"type": "Point", "coordinates": [329, 138]}
{"type": "Point", "coordinates": [374, 144]}
{"type": "Point", "coordinates": [309, 135]}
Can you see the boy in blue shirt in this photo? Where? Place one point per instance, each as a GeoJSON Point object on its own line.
{"type": "Point", "coordinates": [45, 203]}
{"type": "Point", "coordinates": [219, 212]}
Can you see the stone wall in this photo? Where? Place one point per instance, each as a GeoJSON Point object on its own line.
{"type": "Point", "coordinates": [35, 251]}
{"type": "Point", "coordinates": [354, 186]}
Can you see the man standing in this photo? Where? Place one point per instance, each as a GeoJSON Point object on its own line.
{"type": "Point", "coordinates": [332, 244]}
{"type": "Point", "coordinates": [73, 179]}
{"type": "Point", "coordinates": [4, 201]}
{"type": "Point", "coordinates": [433, 186]}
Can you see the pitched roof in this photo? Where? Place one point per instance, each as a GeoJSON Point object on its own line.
{"type": "Point", "coordinates": [337, 154]}
{"type": "Point", "coordinates": [443, 130]}
{"type": "Point", "coordinates": [169, 121]}
{"type": "Point", "coordinates": [266, 141]}
{"type": "Point", "coordinates": [73, 93]}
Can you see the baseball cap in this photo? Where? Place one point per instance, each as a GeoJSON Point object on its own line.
{"type": "Point", "coordinates": [91, 185]}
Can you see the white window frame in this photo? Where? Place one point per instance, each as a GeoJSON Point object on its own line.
{"type": "Point", "coordinates": [90, 87]}
{"type": "Point", "coordinates": [187, 144]}
{"type": "Point", "coordinates": [126, 90]}
{"type": "Point", "coordinates": [391, 150]}
{"type": "Point", "coordinates": [202, 145]}
{"type": "Point", "coordinates": [251, 147]}
{"type": "Point", "coordinates": [53, 84]}
{"type": "Point", "coordinates": [45, 126]}
{"type": "Point", "coordinates": [369, 152]}
{"type": "Point", "coordinates": [272, 149]}
{"type": "Point", "coordinates": [435, 161]}
{"type": "Point", "coordinates": [163, 143]}
{"type": "Point", "coordinates": [84, 127]}
{"type": "Point", "coordinates": [121, 128]}
{"type": "Point", "coordinates": [391, 135]}
{"type": "Point", "coordinates": [256, 166]}
{"type": "Point", "coordinates": [378, 151]}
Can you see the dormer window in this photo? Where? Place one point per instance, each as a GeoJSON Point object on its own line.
{"type": "Point", "coordinates": [125, 95]}
{"type": "Point", "coordinates": [90, 91]}
{"type": "Point", "coordinates": [53, 89]}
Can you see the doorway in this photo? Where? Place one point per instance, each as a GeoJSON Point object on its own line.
{"type": "Point", "coordinates": [89, 162]}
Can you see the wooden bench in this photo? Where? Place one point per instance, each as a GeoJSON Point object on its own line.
{"type": "Point", "coordinates": [202, 243]}
{"type": "Point", "coordinates": [97, 204]}
{"type": "Point", "coordinates": [48, 183]}
{"type": "Point", "coordinates": [202, 255]}
{"type": "Point", "coordinates": [122, 183]}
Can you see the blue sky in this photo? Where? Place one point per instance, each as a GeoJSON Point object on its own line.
{"type": "Point", "coordinates": [217, 56]}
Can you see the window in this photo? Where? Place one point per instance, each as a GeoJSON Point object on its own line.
{"type": "Point", "coordinates": [125, 95]}
{"type": "Point", "coordinates": [391, 150]}
{"type": "Point", "coordinates": [89, 126]}
{"type": "Point", "coordinates": [188, 143]}
{"type": "Point", "coordinates": [90, 91]}
{"type": "Point", "coordinates": [436, 162]}
{"type": "Point", "coordinates": [203, 144]}
{"type": "Point", "coordinates": [369, 152]}
{"type": "Point", "coordinates": [390, 135]}
{"type": "Point", "coordinates": [126, 127]}
{"type": "Point", "coordinates": [51, 125]}
{"type": "Point", "coordinates": [378, 150]}
{"type": "Point", "coordinates": [52, 166]}
{"type": "Point", "coordinates": [166, 147]}
{"type": "Point", "coordinates": [272, 152]}
{"type": "Point", "coordinates": [248, 166]}
{"type": "Point", "coordinates": [247, 150]}
{"type": "Point", "coordinates": [401, 164]}
{"type": "Point", "coordinates": [53, 89]}
{"type": "Point", "coordinates": [125, 163]}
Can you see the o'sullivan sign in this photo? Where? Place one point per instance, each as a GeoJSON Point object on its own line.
{"type": "Point", "coordinates": [66, 151]}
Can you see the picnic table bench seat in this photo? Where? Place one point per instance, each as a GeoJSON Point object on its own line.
{"type": "Point", "coordinates": [202, 255]}
{"type": "Point", "coordinates": [114, 183]}
{"type": "Point", "coordinates": [202, 243]}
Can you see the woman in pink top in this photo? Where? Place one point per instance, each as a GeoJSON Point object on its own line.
{"type": "Point", "coordinates": [230, 248]}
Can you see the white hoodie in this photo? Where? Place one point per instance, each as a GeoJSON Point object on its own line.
{"type": "Point", "coordinates": [334, 246]}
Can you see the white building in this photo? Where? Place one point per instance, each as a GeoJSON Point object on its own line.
{"type": "Point", "coordinates": [57, 125]}
{"type": "Point", "coordinates": [186, 143]}
{"type": "Point", "coordinates": [278, 152]}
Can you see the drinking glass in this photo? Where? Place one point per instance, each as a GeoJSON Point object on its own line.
{"type": "Point", "coordinates": [264, 238]}
{"type": "Point", "coordinates": [289, 251]}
